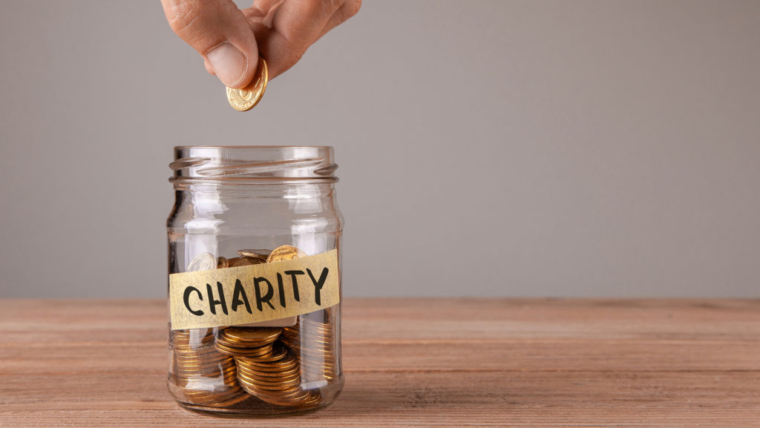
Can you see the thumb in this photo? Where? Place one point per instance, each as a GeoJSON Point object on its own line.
{"type": "Point", "coordinates": [219, 31]}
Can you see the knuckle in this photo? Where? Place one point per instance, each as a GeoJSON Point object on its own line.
{"type": "Point", "coordinates": [296, 56]}
{"type": "Point", "coordinates": [323, 8]}
{"type": "Point", "coordinates": [292, 59]}
{"type": "Point", "coordinates": [183, 14]}
{"type": "Point", "coordinates": [313, 7]}
{"type": "Point", "coordinates": [351, 8]}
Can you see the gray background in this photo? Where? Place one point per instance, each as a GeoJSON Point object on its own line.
{"type": "Point", "coordinates": [487, 148]}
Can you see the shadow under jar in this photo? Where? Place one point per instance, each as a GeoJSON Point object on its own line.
{"type": "Point", "coordinates": [234, 206]}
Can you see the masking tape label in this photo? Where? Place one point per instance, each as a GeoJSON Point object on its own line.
{"type": "Point", "coordinates": [248, 294]}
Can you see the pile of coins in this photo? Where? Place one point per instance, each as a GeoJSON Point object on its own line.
{"type": "Point", "coordinates": [234, 364]}
{"type": "Point", "coordinates": [207, 376]}
{"type": "Point", "coordinates": [313, 339]}
{"type": "Point", "coordinates": [276, 379]}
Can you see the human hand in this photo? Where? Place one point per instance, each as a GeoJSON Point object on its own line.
{"type": "Point", "coordinates": [229, 39]}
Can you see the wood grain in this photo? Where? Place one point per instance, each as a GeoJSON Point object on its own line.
{"type": "Point", "coordinates": [413, 362]}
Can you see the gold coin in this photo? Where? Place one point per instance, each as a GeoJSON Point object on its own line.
{"type": "Point", "coordinates": [244, 352]}
{"type": "Point", "coordinates": [260, 254]}
{"type": "Point", "coordinates": [215, 371]}
{"type": "Point", "coordinates": [187, 334]}
{"type": "Point", "coordinates": [270, 372]}
{"type": "Point", "coordinates": [264, 369]}
{"type": "Point", "coordinates": [244, 348]}
{"type": "Point", "coordinates": [277, 354]}
{"type": "Point", "coordinates": [290, 397]}
{"type": "Point", "coordinates": [217, 399]}
{"type": "Point", "coordinates": [222, 263]}
{"type": "Point", "coordinates": [201, 262]}
{"type": "Point", "coordinates": [279, 383]}
{"type": "Point", "coordinates": [201, 349]}
{"type": "Point", "coordinates": [246, 261]}
{"type": "Point", "coordinates": [187, 371]}
{"type": "Point", "coordinates": [277, 366]}
{"type": "Point", "coordinates": [235, 343]}
{"type": "Point", "coordinates": [264, 336]}
{"type": "Point", "coordinates": [247, 98]}
{"type": "Point", "coordinates": [198, 366]}
{"type": "Point", "coordinates": [273, 369]}
{"type": "Point", "coordinates": [229, 377]}
{"type": "Point", "coordinates": [240, 398]}
{"type": "Point", "coordinates": [202, 364]}
{"type": "Point", "coordinates": [285, 252]}
{"type": "Point", "coordinates": [253, 365]}
{"type": "Point", "coordinates": [187, 343]}
{"type": "Point", "coordinates": [255, 379]}
{"type": "Point", "coordinates": [190, 356]}
{"type": "Point", "coordinates": [266, 375]}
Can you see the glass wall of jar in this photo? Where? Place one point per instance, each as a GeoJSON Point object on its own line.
{"type": "Point", "coordinates": [233, 206]}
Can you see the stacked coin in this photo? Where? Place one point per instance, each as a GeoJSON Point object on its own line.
{"type": "Point", "coordinates": [247, 342]}
{"type": "Point", "coordinates": [313, 340]}
{"type": "Point", "coordinates": [265, 368]}
{"type": "Point", "coordinates": [276, 380]}
{"type": "Point", "coordinates": [209, 378]}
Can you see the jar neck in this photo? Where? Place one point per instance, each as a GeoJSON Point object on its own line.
{"type": "Point", "coordinates": [206, 200]}
{"type": "Point", "coordinates": [259, 190]}
{"type": "Point", "coordinates": [256, 188]}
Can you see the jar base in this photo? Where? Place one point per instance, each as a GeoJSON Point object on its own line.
{"type": "Point", "coordinates": [253, 408]}
{"type": "Point", "coordinates": [249, 414]}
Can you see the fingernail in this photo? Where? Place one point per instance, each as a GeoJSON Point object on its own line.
{"type": "Point", "coordinates": [229, 63]}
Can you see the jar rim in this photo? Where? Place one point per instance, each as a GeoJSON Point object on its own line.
{"type": "Point", "coordinates": [252, 147]}
{"type": "Point", "coordinates": [253, 163]}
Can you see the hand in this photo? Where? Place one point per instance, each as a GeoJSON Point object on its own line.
{"type": "Point", "coordinates": [229, 39]}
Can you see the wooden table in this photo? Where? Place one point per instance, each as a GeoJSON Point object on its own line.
{"type": "Point", "coordinates": [413, 362]}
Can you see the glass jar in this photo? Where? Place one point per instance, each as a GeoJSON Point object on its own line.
{"type": "Point", "coordinates": [238, 212]}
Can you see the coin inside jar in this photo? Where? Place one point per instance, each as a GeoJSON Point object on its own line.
{"type": "Point", "coordinates": [259, 253]}
{"type": "Point", "coordinates": [201, 262]}
{"type": "Point", "coordinates": [223, 367]}
{"type": "Point", "coordinates": [251, 335]}
{"type": "Point", "coordinates": [246, 261]}
{"type": "Point", "coordinates": [285, 252]}
{"type": "Point", "coordinates": [207, 377]}
{"type": "Point", "coordinates": [222, 263]}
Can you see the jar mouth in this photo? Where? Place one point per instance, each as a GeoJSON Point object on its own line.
{"type": "Point", "coordinates": [253, 163]}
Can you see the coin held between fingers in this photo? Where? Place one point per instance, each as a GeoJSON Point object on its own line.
{"type": "Point", "coordinates": [246, 98]}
